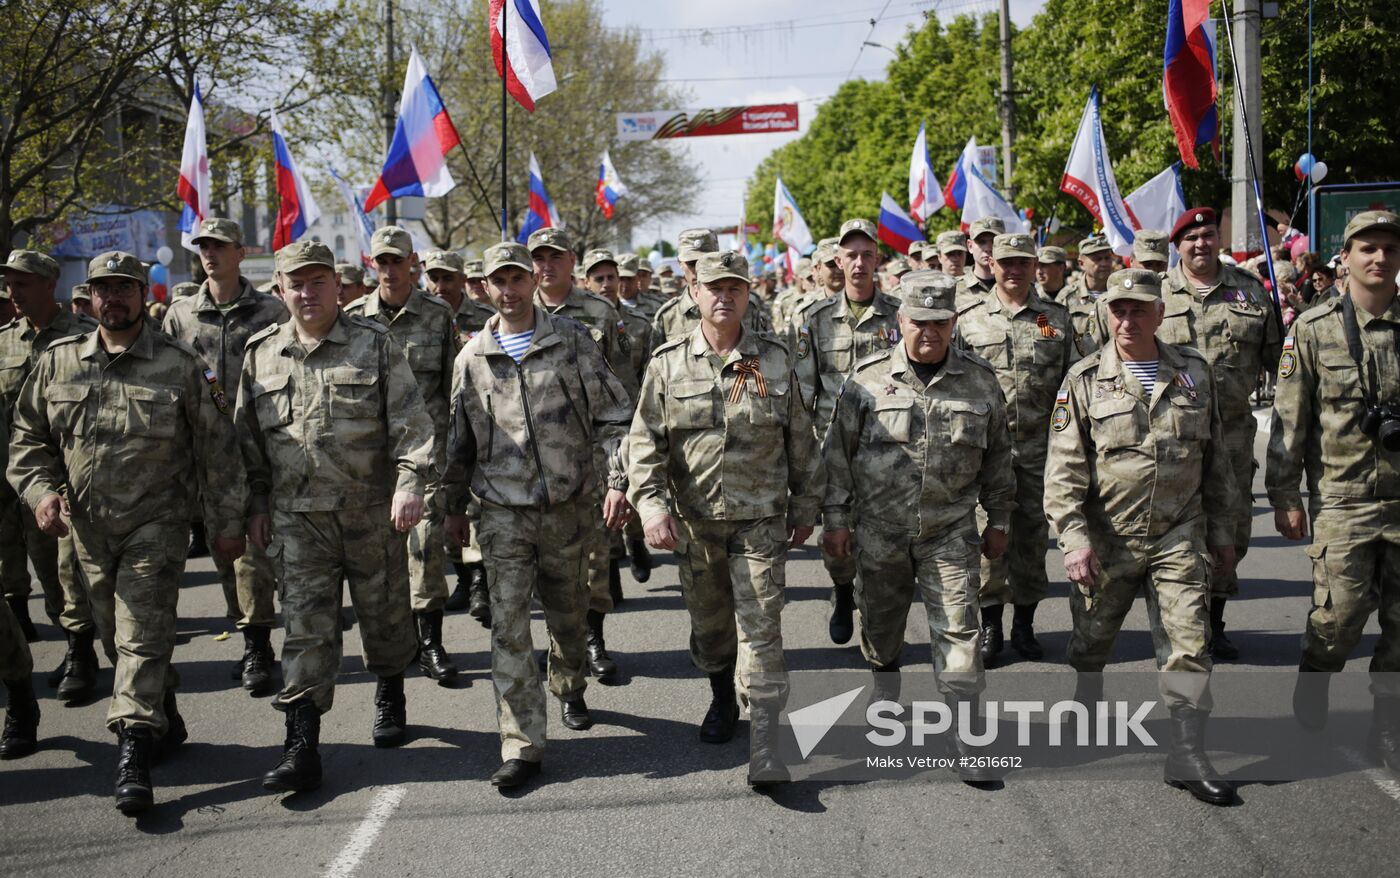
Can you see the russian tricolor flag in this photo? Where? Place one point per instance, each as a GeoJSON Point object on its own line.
{"type": "Point", "coordinates": [194, 187]}
{"type": "Point", "coordinates": [529, 68]}
{"type": "Point", "coordinates": [895, 227]}
{"type": "Point", "coordinates": [1188, 77]}
{"type": "Point", "coordinates": [542, 214]}
{"type": "Point", "coordinates": [417, 159]}
{"type": "Point", "coordinates": [610, 187]}
{"type": "Point", "coordinates": [955, 191]}
{"type": "Point", "coordinates": [296, 209]}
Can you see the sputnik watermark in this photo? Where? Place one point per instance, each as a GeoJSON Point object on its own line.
{"type": "Point", "coordinates": [1114, 722]}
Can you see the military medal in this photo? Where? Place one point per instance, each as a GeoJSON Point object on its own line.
{"type": "Point", "coordinates": [215, 391]}
{"type": "Point", "coordinates": [1184, 380]}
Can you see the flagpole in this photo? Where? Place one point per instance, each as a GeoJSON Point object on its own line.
{"type": "Point", "coordinates": [505, 72]}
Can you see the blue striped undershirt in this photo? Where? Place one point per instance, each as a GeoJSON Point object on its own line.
{"type": "Point", "coordinates": [515, 343]}
{"type": "Point", "coordinates": [1145, 371]}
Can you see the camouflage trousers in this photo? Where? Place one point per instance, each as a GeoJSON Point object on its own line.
{"type": "Point", "coordinates": [312, 553]}
{"type": "Point", "coordinates": [55, 563]}
{"type": "Point", "coordinates": [941, 569]}
{"type": "Point", "coordinates": [1356, 572]}
{"type": "Point", "coordinates": [1018, 576]}
{"type": "Point", "coordinates": [732, 578]}
{"type": "Point", "coordinates": [842, 570]}
{"type": "Point", "coordinates": [534, 552]}
{"type": "Point", "coordinates": [427, 560]}
{"type": "Point", "coordinates": [134, 583]}
{"type": "Point", "coordinates": [1239, 446]}
{"type": "Point", "coordinates": [1172, 573]}
{"type": "Point", "coordinates": [603, 545]}
{"type": "Point", "coordinates": [16, 661]}
{"type": "Point", "coordinates": [249, 585]}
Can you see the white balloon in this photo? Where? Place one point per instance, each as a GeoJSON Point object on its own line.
{"type": "Point", "coordinates": [1054, 225]}
{"type": "Point", "coordinates": [164, 255]}
{"type": "Point", "coordinates": [1319, 170]}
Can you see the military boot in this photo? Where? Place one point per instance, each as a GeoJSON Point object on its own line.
{"type": "Point", "coordinates": [458, 600]}
{"type": "Point", "coordinates": [1383, 742]}
{"type": "Point", "coordinates": [1188, 767]}
{"type": "Point", "coordinates": [479, 597]}
{"type": "Point", "coordinates": [842, 625]}
{"type": "Point", "coordinates": [390, 712]}
{"type": "Point", "coordinates": [614, 582]}
{"type": "Point", "coordinates": [175, 731]}
{"type": "Point", "coordinates": [1023, 633]}
{"type": "Point", "coordinates": [80, 676]}
{"type": "Point", "coordinates": [134, 792]}
{"type": "Point", "coordinates": [993, 638]}
{"type": "Point", "coordinates": [21, 735]}
{"type": "Point", "coordinates": [600, 664]}
{"type": "Point", "coordinates": [574, 713]}
{"type": "Point", "coordinates": [971, 770]}
{"type": "Point", "coordinates": [718, 725]}
{"type": "Point", "coordinates": [433, 659]}
{"type": "Point", "coordinates": [887, 682]}
{"type": "Point", "coordinates": [765, 768]}
{"type": "Point", "coordinates": [640, 559]}
{"type": "Point", "coordinates": [258, 660]}
{"type": "Point", "coordinates": [300, 767]}
{"type": "Point", "coordinates": [19, 605]}
{"type": "Point", "coordinates": [1221, 649]}
{"type": "Point", "coordinates": [1310, 697]}
{"type": "Point", "coordinates": [1088, 691]}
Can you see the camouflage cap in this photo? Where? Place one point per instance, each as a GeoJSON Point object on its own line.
{"type": "Point", "coordinates": [898, 266]}
{"type": "Point", "coordinates": [304, 254]}
{"type": "Point", "coordinates": [474, 269]}
{"type": "Point", "coordinates": [927, 295]}
{"type": "Point", "coordinates": [597, 257]}
{"type": "Point", "coordinates": [447, 260]}
{"type": "Point", "coordinates": [1137, 284]}
{"type": "Point", "coordinates": [670, 285]}
{"type": "Point", "coordinates": [1372, 219]}
{"type": "Point", "coordinates": [350, 273]}
{"type": "Point", "coordinates": [390, 241]}
{"type": "Point", "coordinates": [83, 291]}
{"type": "Point", "coordinates": [643, 266]}
{"type": "Point", "coordinates": [1051, 255]}
{"type": "Point", "coordinates": [32, 262]}
{"type": "Point", "coordinates": [552, 237]}
{"type": "Point", "coordinates": [825, 252]}
{"type": "Point", "coordinates": [719, 266]}
{"type": "Point", "coordinates": [219, 229]}
{"type": "Point", "coordinates": [951, 242]}
{"type": "Point", "coordinates": [1017, 245]}
{"type": "Point", "coordinates": [181, 290]}
{"type": "Point", "coordinates": [804, 266]}
{"type": "Point", "coordinates": [916, 250]}
{"type": "Point", "coordinates": [505, 254]}
{"type": "Point", "coordinates": [694, 243]}
{"type": "Point", "coordinates": [987, 225]}
{"type": "Point", "coordinates": [1150, 245]}
{"type": "Point", "coordinates": [627, 264]}
{"type": "Point", "coordinates": [1094, 244]}
{"type": "Point", "coordinates": [858, 227]}
{"type": "Point", "coordinates": [115, 263]}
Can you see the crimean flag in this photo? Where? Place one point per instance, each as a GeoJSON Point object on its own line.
{"type": "Point", "coordinates": [925, 195]}
{"type": "Point", "coordinates": [193, 187]}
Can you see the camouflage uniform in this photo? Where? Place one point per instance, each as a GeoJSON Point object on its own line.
{"type": "Point", "coordinates": [16, 661]}
{"type": "Point", "coordinates": [519, 432]}
{"type": "Point", "coordinates": [219, 336]}
{"type": "Point", "coordinates": [329, 435]}
{"type": "Point", "coordinates": [909, 463]}
{"type": "Point", "coordinates": [470, 319]}
{"type": "Point", "coordinates": [1085, 315]}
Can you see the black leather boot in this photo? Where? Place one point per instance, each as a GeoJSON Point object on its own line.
{"type": "Point", "coordinates": [460, 597]}
{"type": "Point", "coordinates": [1310, 697]}
{"type": "Point", "coordinates": [433, 659]}
{"type": "Point", "coordinates": [842, 626]}
{"type": "Point", "coordinates": [390, 712]}
{"type": "Point", "coordinates": [19, 605]}
{"type": "Point", "coordinates": [80, 676]}
{"type": "Point", "coordinates": [175, 731]}
{"type": "Point", "coordinates": [479, 597]}
{"type": "Point", "coordinates": [765, 768]}
{"type": "Point", "coordinates": [574, 713]}
{"type": "Point", "coordinates": [600, 664]}
{"type": "Point", "coordinates": [887, 682]}
{"type": "Point", "coordinates": [258, 660]}
{"type": "Point", "coordinates": [993, 639]}
{"type": "Point", "coordinates": [614, 582]}
{"type": "Point", "coordinates": [514, 773]}
{"type": "Point", "coordinates": [134, 792]}
{"type": "Point", "coordinates": [1383, 743]}
{"type": "Point", "coordinates": [1188, 768]}
{"type": "Point", "coordinates": [640, 559]}
{"type": "Point", "coordinates": [300, 767]}
{"type": "Point", "coordinates": [970, 770]}
{"type": "Point", "coordinates": [718, 725]}
{"type": "Point", "coordinates": [1221, 649]}
{"type": "Point", "coordinates": [1023, 633]}
{"type": "Point", "coordinates": [21, 735]}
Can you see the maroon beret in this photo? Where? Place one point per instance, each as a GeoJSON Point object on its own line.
{"type": "Point", "coordinates": [1196, 216]}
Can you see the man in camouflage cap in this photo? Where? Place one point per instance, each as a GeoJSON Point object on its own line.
{"type": "Point", "coordinates": [1224, 313]}
{"type": "Point", "coordinates": [719, 402]}
{"type": "Point", "coordinates": [352, 282]}
{"type": "Point", "coordinates": [830, 281]}
{"type": "Point", "coordinates": [629, 292]}
{"type": "Point", "coordinates": [532, 397]}
{"type": "Point", "coordinates": [423, 326]}
{"type": "Point", "coordinates": [1150, 250]}
{"type": "Point", "coordinates": [979, 280]}
{"type": "Point", "coordinates": [340, 451]}
{"type": "Point", "coordinates": [952, 253]}
{"type": "Point", "coordinates": [31, 278]}
{"type": "Point", "coordinates": [1051, 263]}
{"type": "Point", "coordinates": [679, 316]}
{"type": "Point", "coordinates": [1029, 343]}
{"type": "Point", "coordinates": [79, 302]}
{"type": "Point", "coordinates": [918, 441]}
{"type": "Point", "coordinates": [116, 438]}
{"type": "Point", "coordinates": [217, 322]}
{"type": "Point", "coordinates": [916, 256]}
{"type": "Point", "coordinates": [1139, 486]}
{"type": "Point", "coordinates": [476, 282]}
{"type": "Point", "coordinates": [1081, 294]}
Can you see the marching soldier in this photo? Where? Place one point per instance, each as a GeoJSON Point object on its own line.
{"type": "Point", "coordinates": [1337, 421]}
{"type": "Point", "coordinates": [423, 326]}
{"type": "Point", "coordinates": [1224, 313]}
{"type": "Point", "coordinates": [117, 436]}
{"type": "Point", "coordinates": [79, 303]}
{"type": "Point", "coordinates": [679, 316]}
{"type": "Point", "coordinates": [352, 283]}
{"type": "Point", "coordinates": [476, 282]}
{"type": "Point", "coordinates": [630, 295]}
{"type": "Point", "coordinates": [340, 450]}
{"type": "Point", "coordinates": [1138, 486]}
{"type": "Point", "coordinates": [1028, 341]}
{"type": "Point", "coordinates": [1081, 295]}
{"type": "Point", "coordinates": [532, 398]}
{"type": "Point", "coordinates": [1050, 267]}
{"type": "Point", "coordinates": [918, 440]}
{"type": "Point", "coordinates": [217, 322]}
{"type": "Point", "coordinates": [1150, 250]}
{"type": "Point", "coordinates": [829, 280]}
{"type": "Point", "coordinates": [977, 281]}
{"type": "Point", "coordinates": [952, 253]}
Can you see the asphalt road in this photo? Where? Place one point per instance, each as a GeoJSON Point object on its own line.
{"type": "Point", "coordinates": [638, 794]}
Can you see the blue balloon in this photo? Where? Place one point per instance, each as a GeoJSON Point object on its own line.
{"type": "Point", "coordinates": [159, 274]}
{"type": "Point", "coordinates": [1306, 162]}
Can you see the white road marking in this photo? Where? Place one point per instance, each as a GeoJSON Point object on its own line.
{"type": "Point", "coordinates": [1378, 776]}
{"type": "Point", "coordinates": [362, 839]}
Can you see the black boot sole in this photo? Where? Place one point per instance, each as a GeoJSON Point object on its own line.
{"type": "Point", "coordinates": [1201, 797]}
{"type": "Point", "coordinates": [135, 803]}
{"type": "Point", "coordinates": [279, 785]}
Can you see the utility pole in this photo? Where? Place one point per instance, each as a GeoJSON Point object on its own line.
{"type": "Point", "coordinates": [391, 208]}
{"type": "Point", "coordinates": [1008, 102]}
{"type": "Point", "coordinates": [1245, 235]}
